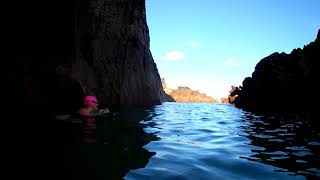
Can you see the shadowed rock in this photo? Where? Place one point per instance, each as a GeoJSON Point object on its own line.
{"type": "Point", "coordinates": [104, 43]}
{"type": "Point", "coordinates": [63, 50]}
{"type": "Point", "coordinates": [283, 82]}
{"type": "Point", "coordinates": [113, 56]}
{"type": "Point", "coordinates": [233, 93]}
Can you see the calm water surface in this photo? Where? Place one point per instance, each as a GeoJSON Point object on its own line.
{"type": "Point", "coordinates": [194, 141]}
{"type": "Point", "coordinates": [219, 141]}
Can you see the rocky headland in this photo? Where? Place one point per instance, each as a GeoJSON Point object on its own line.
{"type": "Point", "coordinates": [282, 82]}
{"type": "Point", "coordinates": [185, 94]}
{"type": "Point", "coordinates": [62, 51]}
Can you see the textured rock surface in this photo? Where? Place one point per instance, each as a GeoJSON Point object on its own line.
{"type": "Point", "coordinates": [113, 57]}
{"type": "Point", "coordinates": [167, 90]}
{"type": "Point", "coordinates": [225, 100]}
{"type": "Point", "coordinates": [233, 93]}
{"type": "Point", "coordinates": [185, 94]}
{"type": "Point", "coordinates": [283, 82]}
{"type": "Point", "coordinates": [58, 52]}
{"type": "Point", "coordinates": [103, 44]}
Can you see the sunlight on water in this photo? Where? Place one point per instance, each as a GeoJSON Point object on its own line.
{"type": "Point", "coordinates": [191, 141]}
{"type": "Point", "coordinates": [219, 141]}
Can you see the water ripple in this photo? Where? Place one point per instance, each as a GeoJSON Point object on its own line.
{"type": "Point", "coordinates": [219, 141]}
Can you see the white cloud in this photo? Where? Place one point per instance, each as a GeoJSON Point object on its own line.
{"type": "Point", "coordinates": [193, 44]}
{"type": "Point", "coordinates": [173, 55]}
{"type": "Point", "coordinates": [232, 62]}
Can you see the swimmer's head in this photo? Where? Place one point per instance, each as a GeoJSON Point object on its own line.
{"type": "Point", "coordinates": [91, 101]}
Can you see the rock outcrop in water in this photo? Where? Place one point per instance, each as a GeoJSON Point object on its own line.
{"type": "Point", "coordinates": [60, 51]}
{"type": "Point", "coordinates": [233, 93]}
{"type": "Point", "coordinates": [224, 100]}
{"type": "Point", "coordinates": [185, 94]}
{"type": "Point", "coordinates": [283, 82]}
{"type": "Point", "coordinates": [167, 90]}
{"type": "Point", "coordinates": [113, 49]}
{"type": "Point", "coordinates": [103, 44]}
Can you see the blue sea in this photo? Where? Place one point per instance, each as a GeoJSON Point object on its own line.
{"type": "Point", "coordinates": [198, 141]}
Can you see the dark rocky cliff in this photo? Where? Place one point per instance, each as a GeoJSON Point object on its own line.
{"type": "Point", "coordinates": [283, 82]}
{"type": "Point", "coordinates": [59, 51]}
{"type": "Point", "coordinates": [113, 59]}
{"type": "Point", "coordinates": [64, 50]}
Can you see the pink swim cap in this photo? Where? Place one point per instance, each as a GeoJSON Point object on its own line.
{"type": "Point", "coordinates": [89, 99]}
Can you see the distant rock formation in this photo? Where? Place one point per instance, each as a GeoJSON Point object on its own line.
{"type": "Point", "coordinates": [105, 44]}
{"type": "Point", "coordinates": [224, 100]}
{"type": "Point", "coordinates": [185, 94]}
{"type": "Point", "coordinates": [233, 93]}
{"type": "Point", "coordinates": [167, 90]}
{"type": "Point", "coordinates": [283, 82]}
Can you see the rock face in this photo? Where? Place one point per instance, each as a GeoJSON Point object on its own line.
{"type": "Point", "coordinates": [114, 60]}
{"type": "Point", "coordinates": [225, 100]}
{"type": "Point", "coordinates": [283, 82]}
{"type": "Point", "coordinates": [185, 94]}
{"type": "Point", "coordinates": [167, 90]}
{"type": "Point", "coordinates": [101, 45]}
{"type": "Point", "coordinates": [233, 93]}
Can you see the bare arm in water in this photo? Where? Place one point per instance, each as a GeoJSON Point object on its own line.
{"type": "Point", "coordinates": [102, 111]}
{"type": "Point", "coordinates": [91, 112]}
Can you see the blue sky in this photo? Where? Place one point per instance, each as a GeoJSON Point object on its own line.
{"type": "Point", "coordinates": [210, 45]}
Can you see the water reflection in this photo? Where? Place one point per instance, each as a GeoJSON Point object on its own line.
{"type": "Point", "coordinates": [203, 141]}
{"type": "Point", "coordinates": [89, 129]}
{"type": "Point", "coordinates": [289, 142]}
{"type": "Point", "coordinates": [219, 141]}
{"type": "Point", "coordinates": [106, 147]}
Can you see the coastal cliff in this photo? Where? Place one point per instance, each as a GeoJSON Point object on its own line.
{"type": "Point", "coordinates": [113, 57]}
{"type": "Point", "coordinates": [283, 82]}
{"type": "Point", "coordinates": [167, 90]}
{"type": "Point", "coordinates": [185, 94]}
{"type": "Point", "coordinates": [62, 51]}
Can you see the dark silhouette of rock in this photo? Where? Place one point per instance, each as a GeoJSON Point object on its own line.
{"type": "Point", "coordinates": [113, 56]}
{"type": "Point", "coordinates": [233, 93]}
{"type": "Point", "coordinates": [60, 51]}
{"type": "Point", "coordinates": [66, 93]}
{"type": "Point", "coordinates": [283, 82]}
{"type": "Point", "coordinates": [105, 44]}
